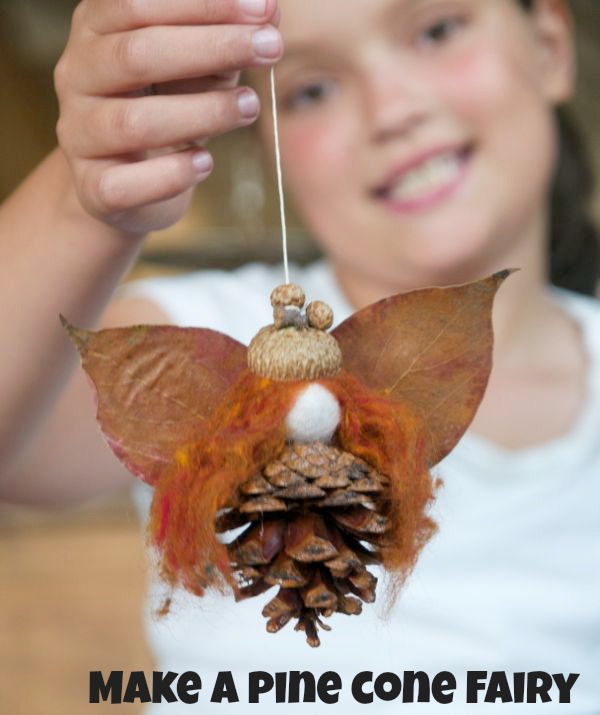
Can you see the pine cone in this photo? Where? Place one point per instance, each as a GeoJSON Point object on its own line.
{"type": "Point", "coordinates": [308, 514]}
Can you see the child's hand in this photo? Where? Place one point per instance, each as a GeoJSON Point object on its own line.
{"type": "Point", "coordinates": [139, 78]}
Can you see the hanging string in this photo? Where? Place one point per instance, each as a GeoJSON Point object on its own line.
{"type": "Point", "coordinates": [279, 176]}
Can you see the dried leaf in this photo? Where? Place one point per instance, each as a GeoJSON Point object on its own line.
{"type": "Point", "coordinates": [156, 386]}
{"type": "Point", "coordinates": [430, 349]}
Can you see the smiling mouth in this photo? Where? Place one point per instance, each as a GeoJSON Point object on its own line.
{"type": "Point", "coordinates": [427, 182]}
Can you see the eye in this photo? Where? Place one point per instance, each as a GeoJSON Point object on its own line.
{"type": "Point", "coordinates": [309, 94]}
{"type": "Point", "coordinates": [441, 31]}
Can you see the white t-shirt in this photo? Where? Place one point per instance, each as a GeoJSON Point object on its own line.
{"type": "Point", "coordinates": [511, 582]}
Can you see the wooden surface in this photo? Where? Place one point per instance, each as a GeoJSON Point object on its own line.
{"type": "Point", "coordinates": [71, 594]}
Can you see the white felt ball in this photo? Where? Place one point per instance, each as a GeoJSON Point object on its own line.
{"type": "Point", "coordinates": [315, 415]}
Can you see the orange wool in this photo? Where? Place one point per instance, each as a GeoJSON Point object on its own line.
{"type": "Point", "coordinates": [389, 437]}
{"type": "Point", "coordinates": [247, 431]}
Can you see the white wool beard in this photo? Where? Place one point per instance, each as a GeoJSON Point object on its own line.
{"type": "Point", "coordinates": [315, 415]}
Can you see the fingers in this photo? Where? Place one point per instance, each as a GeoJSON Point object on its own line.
{"type": "Point", "coordinates": [126, 62]}
{"type": "Point", "coordinates": [108, 16]}
{"type": "Point", "coordinates": [224, 80]}
{"type": "Point", "coordinates": [110, 189]}
{"type": "Point", "coordinates": [190, 52]}
{"type": "Point", "coordinates": [116, 127]}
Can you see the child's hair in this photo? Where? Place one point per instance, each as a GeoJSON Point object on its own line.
{"type": "Point", "coordinates": [574, 240]}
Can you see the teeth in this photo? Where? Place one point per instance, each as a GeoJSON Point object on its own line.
{"type": "Point", "coordinates": [430, 176]}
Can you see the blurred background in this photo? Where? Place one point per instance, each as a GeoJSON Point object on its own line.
{"type": "Point", "coordinates": [72, 582]}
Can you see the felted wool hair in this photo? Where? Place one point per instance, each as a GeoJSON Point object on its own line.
{"type": "Point", "coordinates": [389, 437]}
{"type": "Point", "coordinates": [246, 432]}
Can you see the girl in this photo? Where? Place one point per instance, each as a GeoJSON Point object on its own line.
{"type": "Point", "coordinates": [420, 142]}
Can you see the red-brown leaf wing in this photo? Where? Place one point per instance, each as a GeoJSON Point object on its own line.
{"type": "Point", "coordinates": [156, 386]}
{"type": "Point", "coordinates": [431, 349]}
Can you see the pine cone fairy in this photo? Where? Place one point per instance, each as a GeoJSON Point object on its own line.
{"type": "Point", "coordinates": [300, 461]}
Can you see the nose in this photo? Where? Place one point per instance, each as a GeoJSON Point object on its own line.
{"type": "Point", "coordinates": [396, 100]}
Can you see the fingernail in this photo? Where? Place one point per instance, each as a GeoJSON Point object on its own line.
{"type": "Point", "coordinates": [267, 43]}
{"type": "Point", "coordinates": [254, 7]}
{"type": "Point", "coordinates": [203, 162]}
{"type": "Point", "coordinates": [248, 103]}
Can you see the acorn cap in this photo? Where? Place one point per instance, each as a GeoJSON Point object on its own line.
{"type": "Point", "coordinates": [295, 347]}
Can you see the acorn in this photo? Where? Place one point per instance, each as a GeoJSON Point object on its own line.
{"type": "Point", "coordinates": [295, 347]}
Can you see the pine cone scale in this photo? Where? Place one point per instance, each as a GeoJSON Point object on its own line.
{"type": "Point", "coordinates": [263, 504]}
{"type": "Point", "coordinates": [307, 539]}
{"type": "Point", "coordinates": [287, 573]}
{"type": "Point", "coordinates": [259, 544]}
{"type": "Point", "coordinates": [257, 485]}
{"type": "Point", "coordinates": [287, 600]}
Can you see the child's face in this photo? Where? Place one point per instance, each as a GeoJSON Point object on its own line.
{"type": "Point", "coordinates": [417, 135]}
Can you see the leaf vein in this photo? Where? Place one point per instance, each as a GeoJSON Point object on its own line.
{"type": "Point", "coordinates": [428, 347]}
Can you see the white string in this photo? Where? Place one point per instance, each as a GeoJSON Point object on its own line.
{"type": "Point", "coordinates": [279, 176]}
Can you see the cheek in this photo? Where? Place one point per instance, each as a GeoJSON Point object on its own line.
{"type": "Point", "coordinates": [314, 153]}
{"type": "Point", "coordinates": [482, 84]}
{"type": "Point", "coordinates": [492, 88]}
